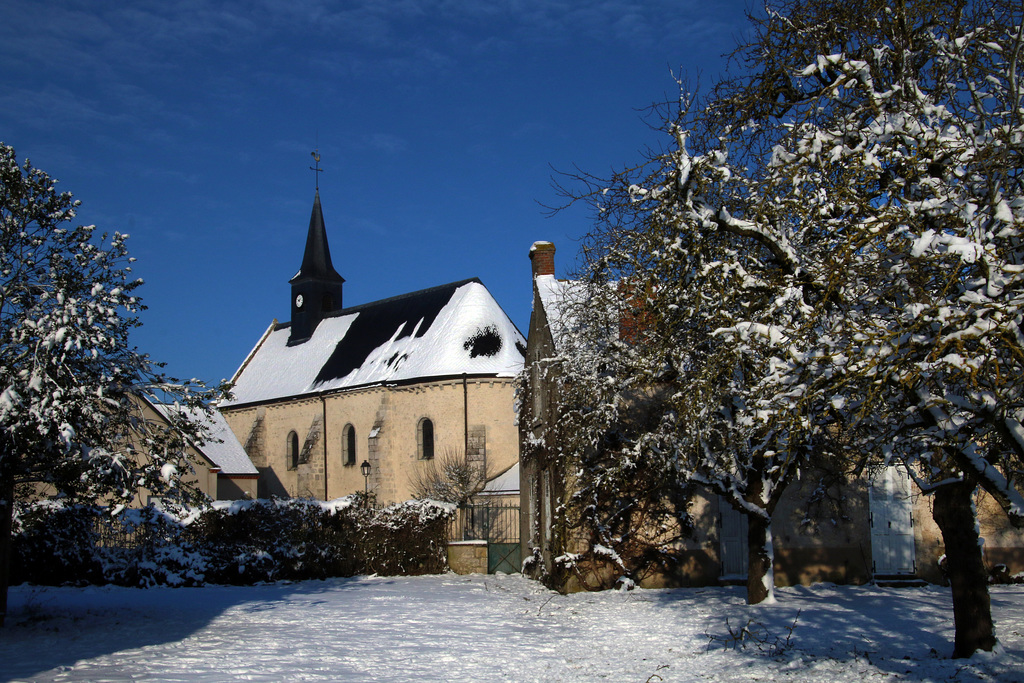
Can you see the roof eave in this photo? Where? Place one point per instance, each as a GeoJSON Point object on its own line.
{"type": "Point", "coordinates": [369, 385]}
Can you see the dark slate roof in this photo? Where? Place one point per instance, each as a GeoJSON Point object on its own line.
{"type": "Point", "coordinates": [409, 314]}
{"type": "Point", "coordinates": [442, 331]}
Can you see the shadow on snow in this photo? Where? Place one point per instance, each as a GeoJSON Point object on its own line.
{"type": "Point", "coordinates": [55, 627]}
{"type": "Point", "coordinates": [892, 628]}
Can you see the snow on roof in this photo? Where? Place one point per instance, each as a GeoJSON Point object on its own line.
{"type": "Point", "coordinates": [554, 297]}
{"type": "Point", "coordinates": [221, 447]}
{"type": "Point", "coordinates": [552, 292]}
{"type": "Point", "coordinates": [443, 331]}
{"type": "Point", "coordinates": [224, 449]}
{"type": "Point", "coordinates": [503, 484]}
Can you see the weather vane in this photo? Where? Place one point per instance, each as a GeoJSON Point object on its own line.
{"type": "Point", "coordinates": [316, 169]}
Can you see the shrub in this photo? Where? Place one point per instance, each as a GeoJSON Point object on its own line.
{"type": "Point", "coordinates": [241, 542]}
{"type": "Point", "coordinates": [56, 544]}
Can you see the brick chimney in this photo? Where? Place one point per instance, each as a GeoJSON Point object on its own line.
{"type": "Point", "coordinates": [542, 256]}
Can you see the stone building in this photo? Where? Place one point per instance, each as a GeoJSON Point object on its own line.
{"type": "Point", "coordinates": [220, 467]}
{"type": "Point", "coordinates": [392, 383]}
{"type": "Point", "coordinates": [885, 530]}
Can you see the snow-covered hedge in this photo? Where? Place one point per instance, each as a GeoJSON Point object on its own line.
{"type": "Point", "coordinates": [239, 542]}
{"type": "Point", "coordinates": [54, 544]}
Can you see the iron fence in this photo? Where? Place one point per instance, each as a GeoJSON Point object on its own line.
{"type": "Point", "coordinates": [112, 533]}
{"type": "Point", "coordinates": [491, 523]}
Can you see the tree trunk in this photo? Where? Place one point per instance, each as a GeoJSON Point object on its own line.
{"type": "Point", "coordinates": [954, 512]}
{"type": "Point", "coordinates": [760, 570]}
{"type": "Point", "coordinates": [6, 528]}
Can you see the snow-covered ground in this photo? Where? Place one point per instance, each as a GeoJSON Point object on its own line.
{"type": "Point", "coordinates": [490, 628]}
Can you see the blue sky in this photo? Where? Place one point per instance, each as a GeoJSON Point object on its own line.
{"type": "Point", "coordinates": [189, 125]}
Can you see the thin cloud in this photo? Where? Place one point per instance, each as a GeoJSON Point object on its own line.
{"type": "Point", "coordinates": [385, 142]}
{"type": "Point", "coordinates": [53, 106]}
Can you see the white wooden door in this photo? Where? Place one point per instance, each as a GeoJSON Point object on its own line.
{"type": "Point", "coordinates": [733, 541]}
{"type": "Point", "coordinates": [892, 522]}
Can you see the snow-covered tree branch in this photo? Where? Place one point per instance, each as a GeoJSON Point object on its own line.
{"type": "Point", "coordinates": [830, 253]}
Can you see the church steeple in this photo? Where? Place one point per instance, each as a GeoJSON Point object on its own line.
{"type": "Point", "coordinates": [316, 288]}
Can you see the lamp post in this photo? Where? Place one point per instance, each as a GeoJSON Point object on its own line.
{"type": "Point", "coordinates": [365, 469]}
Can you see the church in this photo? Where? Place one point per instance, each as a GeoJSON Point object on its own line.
{"type": "Point", "coordinates": [343, 400]}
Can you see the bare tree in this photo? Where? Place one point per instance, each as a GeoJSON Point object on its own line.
{"type": "Point", "coordinates": [449, 478]}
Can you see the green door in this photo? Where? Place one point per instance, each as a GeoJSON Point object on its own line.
{"type": "Point", "coordinates": [503, 557]}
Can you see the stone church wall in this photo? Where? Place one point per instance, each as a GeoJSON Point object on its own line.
{"type": "Point", "coordinates": [385, 420]}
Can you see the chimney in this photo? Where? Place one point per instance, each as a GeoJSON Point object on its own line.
{"type": "Point", "coordinates": [542, 256]}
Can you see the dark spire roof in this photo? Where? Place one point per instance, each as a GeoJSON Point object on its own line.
{"type": "Point", "coordinates": [316, 261]}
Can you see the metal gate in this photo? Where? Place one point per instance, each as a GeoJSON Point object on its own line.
{"type": "Point", "coordinates": [496, 524]}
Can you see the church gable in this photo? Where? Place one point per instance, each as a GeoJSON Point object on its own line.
{"type": "Point", "coordinates": [443, 331]}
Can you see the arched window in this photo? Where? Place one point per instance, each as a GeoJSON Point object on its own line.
{"type": "Point", "coordinates": [348, 445]}
{"type": "Point", "coordinates": [293, 450]}
{"type": "Point", "coordinates": [425, 439]}
{"type": "Point", "coordinates": [327, 303]}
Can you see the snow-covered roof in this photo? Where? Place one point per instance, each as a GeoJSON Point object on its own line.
{"type": "Point", "coordinates": [222, 447]}
{"type": "Point", "coordinates": [506, 483]}
{"type": "Point", "coordinates": [552, 292]}
{"type": "Point", "coordinates": [555, 298]}
{"type": "Point", "coordinates": [443, 331]}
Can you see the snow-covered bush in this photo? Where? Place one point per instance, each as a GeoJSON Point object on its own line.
{"type": "Point", "coordinates": [242, 542]}
{"type": "Point", "coordinates": [150, 547]}
{"type": "Point", "coordinates": [267, 540]}
{"type": "Point", "coordinates": [56, 544]}
{"type": "Point", "coordinates": [407, 539]}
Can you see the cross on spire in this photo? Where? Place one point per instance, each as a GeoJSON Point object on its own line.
{"type": "Point", "coordinates": [316, 169]}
